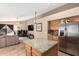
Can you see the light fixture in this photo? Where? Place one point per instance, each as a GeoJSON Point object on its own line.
{"type": "Point", "coordinates": [35, 16]}
{"type": "Point", "coordinates": [17, 23]}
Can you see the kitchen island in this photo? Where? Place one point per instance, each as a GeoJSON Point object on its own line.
{"type": "Point", "coordinates": [36, 47]}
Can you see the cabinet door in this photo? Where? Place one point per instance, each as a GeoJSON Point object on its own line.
{"type": "Point", "coordinates": [50, 37]}
{"type": "Point", "coordinates": [28, 50]}
{"type": "Point", "coordinates": [54, 25]}
{"type": "Point", "coordinates": [72, 46]}
{"type": "Point", "coordinates": [62, 44]}
{"type": "Point", "coordinates": [35, 52]}
{"type": "Point", "coordinates": [2, 42]}
{"type": "Point", "coordinates": [55, 38]}
{"type": "Point", "coordinates": [72, 49]}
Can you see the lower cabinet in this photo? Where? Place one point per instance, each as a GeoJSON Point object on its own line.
{"type": "Point", "coordinates": [28, 50]}
{"type": "Point", "coordinates": [50, 37]}
{"type": "Point", "coordinates": [53, 51]}
{"type": "Point", "coordinates": [35, 52]}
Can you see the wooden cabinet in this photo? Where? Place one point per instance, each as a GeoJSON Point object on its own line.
{"type": "Point", "coordinates": [73, 19]}
{"type": "Point", "coordinates": [30, 51]}
{"type": "Point", "coordinates": [35, 52]}
{"type": "Point", "coordinates": [50, 37]}
{"type": "Point", "coordinates": [55, 38]}
{"type": "Point", "coordinates": [54, 25]}
{"type": "Point", "coordinates": [53, 51]}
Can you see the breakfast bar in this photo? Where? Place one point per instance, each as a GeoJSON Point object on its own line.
{"type": "Point", "coordinates": [37, 47]}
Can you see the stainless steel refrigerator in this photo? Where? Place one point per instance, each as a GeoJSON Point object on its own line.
{"type": "Point", "coordinates": [69, 38]}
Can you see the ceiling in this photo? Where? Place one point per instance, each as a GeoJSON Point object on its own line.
{"type": "Point", "coordinates": [24, 11]}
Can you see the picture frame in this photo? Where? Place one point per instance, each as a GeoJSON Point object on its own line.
{"type": "Point", "coordinates": [39, 27]}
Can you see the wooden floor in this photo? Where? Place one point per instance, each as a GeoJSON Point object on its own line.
{"type": "Point", "coordinates": [18, 50]}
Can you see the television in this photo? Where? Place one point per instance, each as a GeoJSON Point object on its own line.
{"type": "Point", "coordinates": [30, 27]}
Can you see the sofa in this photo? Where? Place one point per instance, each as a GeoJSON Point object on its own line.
{"type": "Point", "coordinates": [6, 40]}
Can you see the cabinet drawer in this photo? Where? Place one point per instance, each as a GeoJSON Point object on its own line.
{"type": "Point", "coordinates": [28, 50]}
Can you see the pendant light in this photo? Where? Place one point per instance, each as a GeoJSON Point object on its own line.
{"type": "Point", "coordinates": [17, 23]}
{"type": "Point", "coordinates": [35, 16]}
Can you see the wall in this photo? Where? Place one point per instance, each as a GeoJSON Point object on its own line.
{"type": "Point", "coordinates": [22, 25]}
{"type": "Point", "coordinates": [43, 34]}
{"type": "Point", "coordinates": [44, 21]}
{"type": "Point", "coordinates": [31, 22]}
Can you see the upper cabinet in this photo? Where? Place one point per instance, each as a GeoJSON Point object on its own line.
{"type": "Point", "coordinates": [73, 19]}
{"type": "Point", "coordinates": [54, 25]}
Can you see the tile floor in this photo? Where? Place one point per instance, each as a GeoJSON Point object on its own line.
{"type": "Point", "coordinates": [18, 50]}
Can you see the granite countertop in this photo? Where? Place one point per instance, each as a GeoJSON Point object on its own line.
{"type": "Point", "coordinates": [40, 45]}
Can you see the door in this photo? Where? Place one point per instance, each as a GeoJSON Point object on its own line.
{"type": "Point", "coordinates": [72, 49]}
{"type": "Point", "coordinates": [62, 44]}
{"type": "Point", "coordinates": [62, 37]}
{"type": "Point", "coordinates": [72, 38]}
{"type": "Point", "coordinates": [72, 29]}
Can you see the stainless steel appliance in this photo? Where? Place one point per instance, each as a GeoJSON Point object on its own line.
{"type": "Point", "coordinates": [69, 38]}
